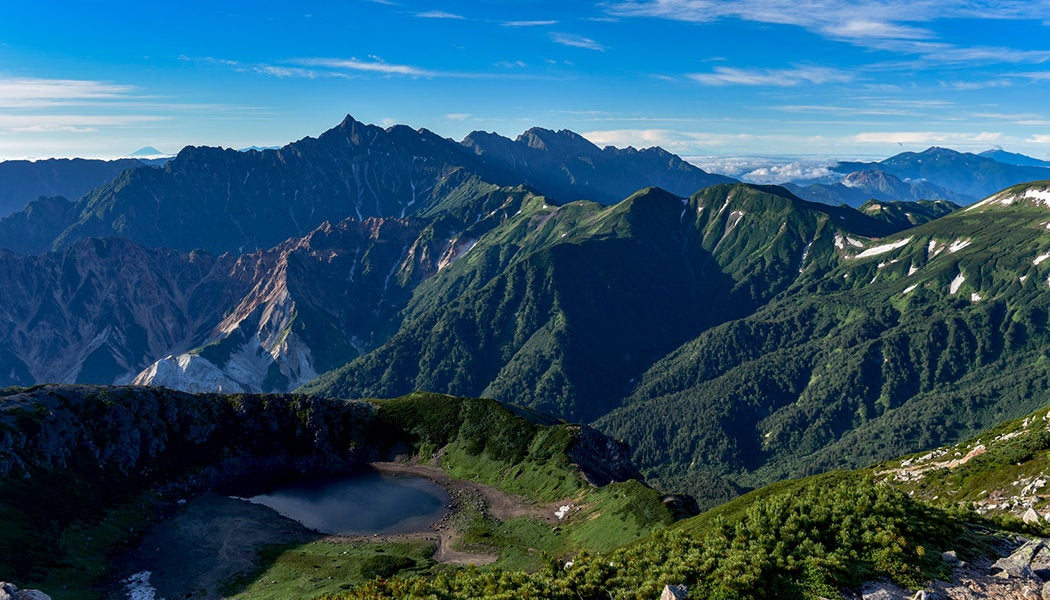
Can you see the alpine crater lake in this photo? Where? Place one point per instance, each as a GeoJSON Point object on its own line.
{"type": "Point", "coordinates": [360, 504]}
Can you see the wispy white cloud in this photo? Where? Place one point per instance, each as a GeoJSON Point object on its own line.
{"type": "Point", "coordinates": [576, 41]}
{"type": "Point", "coordinates": [772, 77]}
{"type": "Point", "coordinates": [1017, 118]}
{"type": "Point", "coordinates": [903, 26]}
{"type": "Point", "coordinates": [984, 84]}
{"type": "Point", "coordinates": [1034, 75]}
{"type": "Point", "coordinates": [279, 71]}
{"type": "Point", "coordinates": [321, 67]}
{"type": "Point", "coordinates": [926, 137]}
{"type": "Point", "coordinates": [863, 29]}
{"type": "Point", "coordinates": [458, 116]}
{"type": "Point", "coordinates": [367, 66]}
{"type": "Point", "coordinates": [71, 123]}
{"type": "Point", "coordinates": [1039, 139]}
{"type": "Point", "coordinates": [872, 106]}
{"type": "Point", "coordinates": [674, 140]}
{"type": "Point", "coordinates": [438, 14]}
{"type": "Point", "coordinates": [941, 53]}
{"type": "Point", "coordinates": [825, 109]}
{"type": "Point", "coordinates": [528, 23]}
{"type": "Point", "coordinates": [312, 68]}
{"type": "Point", "coordinates": [40, 106]}
{"type": "Point", "coordinates": [28, 92]}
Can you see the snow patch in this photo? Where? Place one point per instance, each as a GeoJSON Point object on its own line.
{"type": "Point", "coordinates": [956, 284]}
{"type": "Point", "coordinates": [912, 270]}
{"type": "Point", "coordinates": [805, 254]}
{"type": "Point", "coordinates": [840, 243]}
{"type": "Point", "coordinates": [855, 243]}
{"type": "Point", "coordinates": [958, 245]}
{"type": "Point", "coordinates": [877, 250]}
{"type": "Point", "coordinates": [1040, 258]}
{"type": "Point", "coordinates": [1042, 196]}
{"type": "Point", "coordinates": [1023, 278]}
{"type": "Point", "coordinates": [139, 587]}
{"type": "Point", "coordinates": [563, 511]}
{"type": "Point", "coordinates": [933, 249]}
{"type": "Point", "coordinates": [734, 219]}
{"type": "Point", "coordinates": [975, 297]}
{"type": "Point", "coordinates": [910, 288]}
{"type": "Point", "coordinates": [729, 198]}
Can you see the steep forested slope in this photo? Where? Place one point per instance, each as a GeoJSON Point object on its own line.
{"type": "Point", "coordinates": [561, 307]}
{"type": "Point", "coordinates": [928, 336]}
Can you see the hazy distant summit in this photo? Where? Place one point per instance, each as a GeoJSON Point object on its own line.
{"type": "Point", "coordinates": [1013, 158]}
{"type": "Point", "coordinates": [147, 152]}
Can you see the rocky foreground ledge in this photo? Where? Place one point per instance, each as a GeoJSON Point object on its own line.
{"type": "Point", "coordinates": [9, 591]}
{"type": "Point", "coordinates": [1022, 574]}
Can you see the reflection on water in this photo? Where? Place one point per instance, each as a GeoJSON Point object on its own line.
{"type": "Point", "coordinates": [361, 504]}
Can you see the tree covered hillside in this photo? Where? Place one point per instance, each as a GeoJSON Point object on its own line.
{"type": "Point", "coordinates": [562, 308]}
{"type": "Point", "coordinates": [914, 341]}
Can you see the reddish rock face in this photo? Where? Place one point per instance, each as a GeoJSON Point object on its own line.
{"type": "Point", "coordinates": [102, 311]}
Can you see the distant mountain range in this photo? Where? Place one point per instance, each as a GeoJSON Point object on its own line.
{"type": "Point", "coordinates": [1012, 158]}
{"type": "Point", "coordinates": [563, 165]}
{"type": "Point", "coordinates": [229, 201]}
{"type": "Point", "coordinates": [969, 175]}
{"type": "Point", "coordinates": [734, 334]}
{"type": "Point", "coordinates": [22, 181]}
{"type": "Point", "coordinates": [858, 187]}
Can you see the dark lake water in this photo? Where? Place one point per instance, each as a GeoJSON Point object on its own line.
{"type": "Point", "coordinates": [361, 504]}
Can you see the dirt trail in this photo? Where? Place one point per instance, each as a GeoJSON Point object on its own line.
{"type": "Point", "coordinates": [498, 504]}
{"type": "Point", "coordinates": [487, 499]}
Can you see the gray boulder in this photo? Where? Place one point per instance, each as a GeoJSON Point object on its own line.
{"type": "Point", "coordinates": [1030, 561]}
{"type": "Point", "coordinates": [9, 591]}
{"type": "Point", "coordinates": [674, 592]}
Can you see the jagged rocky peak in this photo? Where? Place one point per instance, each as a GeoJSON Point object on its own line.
{"type": "Point", "coordinates": [354, 131]}
{"type": "Point", "coordinates": [562, 140]}
{"type": "Point", "coordinates": [483, 142]}
{"type": "Point", "coordinates": [871, 178]}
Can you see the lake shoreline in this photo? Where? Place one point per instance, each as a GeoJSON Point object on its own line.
{"type": "Point", "coordinates": [214, 538]}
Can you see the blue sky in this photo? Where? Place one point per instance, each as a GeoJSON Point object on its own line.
{"type": "Point", "coordinates": [703, 78]}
